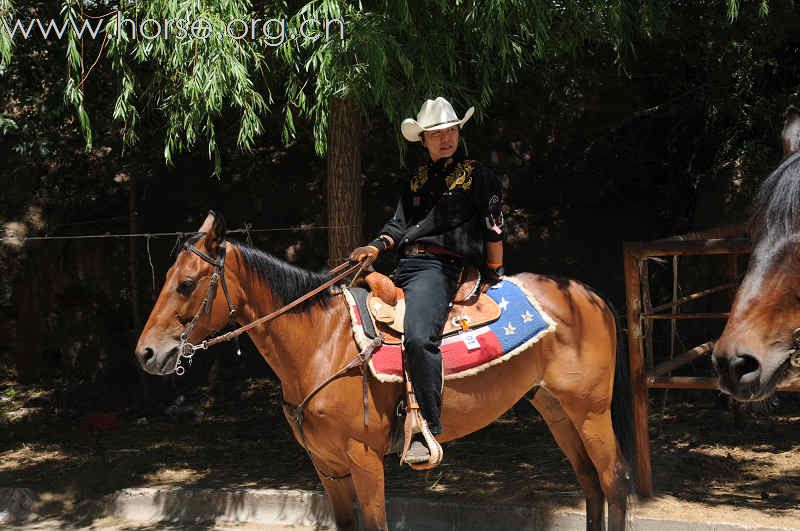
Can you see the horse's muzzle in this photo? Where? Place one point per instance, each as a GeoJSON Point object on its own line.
{"type": "Point", "coordinates": [158, 365]}
{"type": "Point", "coordinates": [739, 375]}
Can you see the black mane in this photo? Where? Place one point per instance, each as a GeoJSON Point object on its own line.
{"type": "Point", "coordinates": [776, 209]}
{"type": "Point", "coordinates": [288, 282]}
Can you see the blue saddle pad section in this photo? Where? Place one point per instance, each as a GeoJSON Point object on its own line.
{"type": "Point", "coordinates": [519, 319]}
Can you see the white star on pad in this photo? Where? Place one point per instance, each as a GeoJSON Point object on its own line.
{"type": "Point", "coordinates": [527, 317]}
{"type": "Point", "coordinates": [509, 330]}
{"type": "Point", "coordinates": [503, 304]}
{"type": "Point", "coordinates": [498, 285]}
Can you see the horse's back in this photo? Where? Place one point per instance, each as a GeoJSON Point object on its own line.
{"type": "Point", "coordinates": [584, 346]}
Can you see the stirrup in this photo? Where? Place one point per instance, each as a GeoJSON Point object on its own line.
{"type": "Point", "coordinates": [414, 424]}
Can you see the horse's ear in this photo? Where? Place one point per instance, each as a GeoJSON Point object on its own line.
{"type": "Point", "coordinates": [215, 229]}
{"type": "Point", "coordinates": [790, 136]}
{"type": "Point", "coordinates": [208, 223]}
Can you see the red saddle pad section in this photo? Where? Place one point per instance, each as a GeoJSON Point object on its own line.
{"type": "Point", "coordinates": [459, 353]}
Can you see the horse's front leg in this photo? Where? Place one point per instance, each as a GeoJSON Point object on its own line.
{"type": "Point", "coordinates": [342, 495]}
{"type": "Point", "coordinates": [366, 466]}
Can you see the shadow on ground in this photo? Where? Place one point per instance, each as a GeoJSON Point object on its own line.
{"type": "Point", "coordinates": [699, 455]}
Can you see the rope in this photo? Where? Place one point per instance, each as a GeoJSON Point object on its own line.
{"type": "Point", "coordinates": [247, 230]}
{"type": "Point", "coordinates": [152, 269]}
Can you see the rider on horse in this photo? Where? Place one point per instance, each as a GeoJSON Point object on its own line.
{"type": "Point", "coordinates": [447, 217]}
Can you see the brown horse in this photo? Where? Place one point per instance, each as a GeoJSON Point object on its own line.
{"type": "Point", "coordinates": [573, 369]}
{"type": "Point", "coordinates": [758, 349]}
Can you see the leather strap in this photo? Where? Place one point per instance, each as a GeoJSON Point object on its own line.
{"type": "Point", "coordinates": [280, 311]}
{"type": "Point", "coordinates": [422, 248]}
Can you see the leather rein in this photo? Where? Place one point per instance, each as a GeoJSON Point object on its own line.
{"type": "Point", "coordinates": [295, 413]}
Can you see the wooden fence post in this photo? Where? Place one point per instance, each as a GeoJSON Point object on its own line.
{"type": "Point", "coordinates": [644, 475]}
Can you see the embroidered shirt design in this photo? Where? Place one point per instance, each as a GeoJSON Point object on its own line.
{"type": "Point", "coordinates": [461, 176]}
{"type": "Point", "coordinates": [419, 179]}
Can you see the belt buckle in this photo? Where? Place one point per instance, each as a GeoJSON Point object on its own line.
{"type": "Point", "coordinates": [413, 249]}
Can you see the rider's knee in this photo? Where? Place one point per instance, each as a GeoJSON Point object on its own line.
{"type": "Point", "coordinates": [415, 345]}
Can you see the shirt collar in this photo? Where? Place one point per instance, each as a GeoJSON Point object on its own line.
{"type": "Point", "coordinates": [446, 163]}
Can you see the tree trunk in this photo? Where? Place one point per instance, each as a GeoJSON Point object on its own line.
{"type": "Point", "coordinates": [344, 179]}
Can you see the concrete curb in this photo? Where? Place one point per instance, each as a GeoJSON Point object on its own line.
{"type": "Point", "coordinates": [294, 507]}
{"type": "Point", "coordinates": [308, 508]}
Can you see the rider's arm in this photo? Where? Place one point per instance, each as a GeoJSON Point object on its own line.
{"type": "Point", "coordinates": [393, 231]}
{"type": "Point", "coordinates": [488, 194]}
{"type": "Point", "coordinates": [389, 235]}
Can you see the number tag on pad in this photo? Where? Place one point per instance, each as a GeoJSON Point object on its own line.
{"type": "Point", "coordinates": [471, 341]}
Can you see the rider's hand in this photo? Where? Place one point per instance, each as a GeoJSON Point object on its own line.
{"type": "Point", "coordinates": [494, 273]}
{"type": "Point", "coordinates": [367, 254]}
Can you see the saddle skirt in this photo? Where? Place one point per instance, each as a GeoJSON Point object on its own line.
{"type": "Point", "coordinates": [519, 322]}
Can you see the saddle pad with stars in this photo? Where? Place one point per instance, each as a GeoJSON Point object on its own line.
{"type": "Point", "coordinates": [522, 323]}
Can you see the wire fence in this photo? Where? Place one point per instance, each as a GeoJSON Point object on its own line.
{"type": "Point", "coordinates": [247, 230]}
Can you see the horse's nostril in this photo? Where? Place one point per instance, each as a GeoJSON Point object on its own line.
{"type": "Point", "coordinates": [745, 368]}
{"type": "Point", "coordinates": [146, 355]}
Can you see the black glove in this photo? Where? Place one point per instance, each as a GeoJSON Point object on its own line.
{"type": "Point", "coordinates": [494, 275]}
{"type": "Point", "coordinates": [366, 254]}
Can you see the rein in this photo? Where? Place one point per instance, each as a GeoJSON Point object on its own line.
{"type": "Point", "coordinates": [187, 349]}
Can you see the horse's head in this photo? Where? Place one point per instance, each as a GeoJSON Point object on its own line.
{"type": "Point", "coordinates": [757, 349]}
{"type": "Point", "coordinates": [188, 283]}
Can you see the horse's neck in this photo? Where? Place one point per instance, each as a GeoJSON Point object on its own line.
{"type": "Point", "coordinates": [302, 346]}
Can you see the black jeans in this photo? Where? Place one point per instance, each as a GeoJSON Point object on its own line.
{"type": "Point", "coordinates": [429, 283]}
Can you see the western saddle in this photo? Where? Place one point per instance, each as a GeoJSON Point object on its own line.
{"type": "Point", "coordinates": [470, 307]}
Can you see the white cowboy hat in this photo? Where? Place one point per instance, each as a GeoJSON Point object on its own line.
{"type": "Point", "coordinates": [434, 114]}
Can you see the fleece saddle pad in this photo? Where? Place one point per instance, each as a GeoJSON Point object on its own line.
{"type": "Point", "coordinates": [522, 322]}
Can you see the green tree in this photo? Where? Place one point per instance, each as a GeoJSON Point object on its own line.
{"type": "Point", "coordinates": [380, 60]}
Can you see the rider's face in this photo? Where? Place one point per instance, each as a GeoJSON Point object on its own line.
{"type": "Point", "coordinates": [441, 143]}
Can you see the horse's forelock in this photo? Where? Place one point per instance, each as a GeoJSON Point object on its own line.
{"type": "Point", "coordinates": [776, 209]}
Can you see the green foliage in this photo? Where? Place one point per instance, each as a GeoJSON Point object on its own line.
{"type": "Point", "coordinates": [7, 124]}
{"type": "Point", "coordinates": [73, 91]}
{"type": "Point", "coordinates": [6, 44]}
{"type": "Point", "coordinates": [734, 7]}
{"type": "Point", "coordinates": [393, 55]}
{"type": "Point", "coordinates": [10, 393]}
{"type": "Point", "coordinates": [207, 92]}
{"type": "Point", "coordinates": [193, 83]}
{"type": "Point", "coordinates": [397, 54]}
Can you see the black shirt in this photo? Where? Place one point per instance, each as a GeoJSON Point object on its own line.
{"type": "Point", "coordinates": [453, 203]}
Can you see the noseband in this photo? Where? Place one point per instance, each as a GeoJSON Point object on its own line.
{"type": "Point", "coordinates": [186, 349]}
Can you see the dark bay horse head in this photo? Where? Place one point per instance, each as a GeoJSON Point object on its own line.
{"type": "Point", "coordinates": [757, 349]}
{"type": "Point", "coordinates": [188, 282]}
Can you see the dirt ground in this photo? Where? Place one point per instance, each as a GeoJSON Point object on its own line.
{"type": "Point", "coordinates": [707, 461]}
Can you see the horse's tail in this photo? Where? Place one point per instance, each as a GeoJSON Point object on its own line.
{"type": "Point", "coordinates": [622, 398]}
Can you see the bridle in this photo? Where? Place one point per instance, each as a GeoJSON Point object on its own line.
{"type": "Point", "coordinates": [186, 349]}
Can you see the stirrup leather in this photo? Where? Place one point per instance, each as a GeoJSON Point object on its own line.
{"type": "Point", "coordinates": [414, 424]}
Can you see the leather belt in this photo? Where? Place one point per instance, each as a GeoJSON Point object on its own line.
{"type": "Point", "coordinates": [427, 248]}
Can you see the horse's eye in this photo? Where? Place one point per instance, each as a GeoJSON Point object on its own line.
{"type": "Point", "coordinates": [186, 286]}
